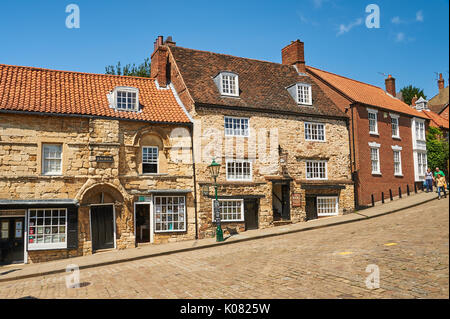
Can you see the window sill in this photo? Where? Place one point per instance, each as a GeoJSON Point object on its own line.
{"type": "Point", "coordinates": [376, 173]}
{"type": "Point", "coordinates": [153, 174]}
{"type": "Point", "coordinates": [398, 175]}
{"type": "Point", "coordinates": [374, 133]}
{"type": "Point", "coordinates": [320, 141]}
{"type": "Point", "coordinates": [396, 137]}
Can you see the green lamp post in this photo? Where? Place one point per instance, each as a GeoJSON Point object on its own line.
{"type": "Point", "coordinates": [214, 169]}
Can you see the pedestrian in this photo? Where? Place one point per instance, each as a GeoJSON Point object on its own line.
{"type": "Point", "coordinates": [429, 180]}
{"type": "Point", "coordinates": [441, 185]}
{"type": "Point", "coordinates": [436, 173]}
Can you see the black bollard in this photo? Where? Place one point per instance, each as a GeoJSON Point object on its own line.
{"type": "Point", "coordinates": [373, 201]}
{"type": "Point", "coordinates": [415, 188]}
{"type": "Point", "coordinates": [390, 195]}
{"type": "Point", "coordinates": [382, 197]}
{"type": "Point", "coordinates": [400, 192]}
{"type": "Point", "coordinates": [407, 189]}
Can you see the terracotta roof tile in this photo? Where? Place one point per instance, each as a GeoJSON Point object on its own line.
{"type": "Point", "coordinates": [64, 92]}
{"type": "Point", "coordinates": [365, 93]}
{"type": "Point", "coordinates": [262, 85]}
{"type": "Point", "coordinates": [436, 120]}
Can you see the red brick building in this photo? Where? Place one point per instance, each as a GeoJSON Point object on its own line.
{"type": "Point", "coordinates": [388, 148]}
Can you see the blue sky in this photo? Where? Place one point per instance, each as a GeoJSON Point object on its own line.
{"type": "Point", "coordinates": [412, 42]}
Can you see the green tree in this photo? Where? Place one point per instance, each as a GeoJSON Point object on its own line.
{"type": "Point", "coordinates": [437, 150]}
{"type": "Point", "coordinates": [142, 70]}
{"type": "Point", "coordinates": [408, 92]}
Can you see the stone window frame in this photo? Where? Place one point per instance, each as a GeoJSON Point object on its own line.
{"type": "Point", "coordinates": [45, 159]}
{"type": "Point", "coordinates": [250, 175]}
{"type": "Point", "coordinates": [242, 132]}
{"type": "Point", "coordinates": [242, 219]}
{"type": "Point", "coordinates": [229, 83]}
{"type": "Point", "coordinates": [64, 155]}
{"type": "Point", "coordinates": [157, 159]}
{"type": "Point", "coordinates": [325, 162]}
{"type": "Point", "coordinates": [375, 113]}
{"type": "Point", "coordinates": [312, 139]}
{"type": "Point", "coordinates": [336, 205]}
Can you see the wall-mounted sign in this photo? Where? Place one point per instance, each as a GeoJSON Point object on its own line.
{"type": "Point", "coordinates": [104, 159]}
{"type": "Point", "coordinates": [145, 199]}
{"type": "Point", "coordinates": [296, 200]}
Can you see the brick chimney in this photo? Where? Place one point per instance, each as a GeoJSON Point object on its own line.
{"type": "Point", "coordinates": [390, 85]}
{"type": "Point", "coordinates": [294, 54]}
{"type": "Point", "coordinates": [160, 67]}
{"type": "Point", "coordinates": [440, 82]}
{"type": "Point", "coordinates": [413, 100]}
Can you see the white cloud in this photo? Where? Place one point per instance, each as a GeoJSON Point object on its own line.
{"type": "Point", "coordinates": [396, 20]}
{"type": "Point", "coordinates": [305, 20]}
{"type": "Point", "coordinates": [346, 28]}
{"type": "Point", "coordinates": [401, 37]}
{"type": "Point", "coordinates": [317, 3]}
{"type": "Point", "coordinates": [419, 16]}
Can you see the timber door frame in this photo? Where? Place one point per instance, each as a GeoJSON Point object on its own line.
{"type": "Point", "coordinates": [25, 230]}
{"type": "Point", "coordinates": [152, 231]}
{"type": "Point", "coordinates": [114, 223]}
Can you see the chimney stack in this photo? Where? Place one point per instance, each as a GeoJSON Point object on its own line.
{"type": "Point", "coordinates": [294, 54]}
{"type": "Point", "coordinates": [413, 100]}
{"type": "Point", "coordinates": [390, 85]}
{"type": "Point", "coordinates": [440, 82]}
{"type": "Point", "coordinates": [159, 60]}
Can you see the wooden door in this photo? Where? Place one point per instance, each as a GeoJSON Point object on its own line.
{"type": "Point", "coordinates": [251, 214]}
{"type": "Point", "coordinates": [102, 224]}
{"type": "Point", "coordinates": [311, 208]}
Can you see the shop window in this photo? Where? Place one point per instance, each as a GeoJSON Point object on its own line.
{"type": "Point", "coordinates": [327, 205]}
{"type": "Point", "coordinates": [170, 214]}
{"type": "Point", "coordinates": [231, 210]}
{"type": "Point", "coordinates": [47, 228]}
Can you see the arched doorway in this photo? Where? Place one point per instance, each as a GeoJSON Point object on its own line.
{"type": "Point", "coordinates": [102, 201]}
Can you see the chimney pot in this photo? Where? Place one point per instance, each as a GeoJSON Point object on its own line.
{"type": "Point", "coordinates": [294, 54]}
{"type": "Point", "coordinates": [390, 85]}
{"type": "Point", "coordinates": [440, 82]}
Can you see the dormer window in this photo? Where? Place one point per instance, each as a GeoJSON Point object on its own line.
{"type": "Point", "coordinates": [301, 93]}
{"type": "Point", "coordinates": [421, 104]}
{"type": "Point", "coordinates": [304, 94]}
{"type": "Point", "coordinates": [126, 99]}
{"type": "Point", "coordinates": [227, 83]}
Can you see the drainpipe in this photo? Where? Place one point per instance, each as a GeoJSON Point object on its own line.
{"type": "Point", "coordinates": [355, 191]}
{"type": "Point", "coordinates": [191, 132]}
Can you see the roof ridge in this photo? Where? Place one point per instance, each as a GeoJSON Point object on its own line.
{"type": "Point", "coordinates": [341, 76]}
{"type": "Point", "coordinates": [73, 72]}
{"type": "Point", "coordinates": [232, 56]}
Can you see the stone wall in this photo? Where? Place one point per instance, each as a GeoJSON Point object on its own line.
{"type": "Point", "coordinates": [83, 139]}
{"type": "Point", "coordinates": [283, 131]}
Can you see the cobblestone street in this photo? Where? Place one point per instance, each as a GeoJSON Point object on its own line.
{"type": "Point", "coordinates": [409, 247]}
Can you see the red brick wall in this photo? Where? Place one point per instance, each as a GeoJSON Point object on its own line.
{"type": "Point", "coordinates": [368, 184]}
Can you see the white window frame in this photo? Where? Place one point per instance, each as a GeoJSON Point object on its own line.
{"type": "Point", "coordinates": [395, 118]}
{"type": "Point", "coordinates": [242, 219]}
{"type": "Point", "coordinates": [157, 159]}
{"type": "Point", "coordinates": [229, 76]}
{"type": "Point", "coordinates": [373, 112]}
{"type": "Point", "coordinates": [155, 207]}
{"type": "Point", "coordinates": [231, 178]}
{"type": "Point", "coordinates": [241, 132]}
{"type": "Point", "coordinates": [309, 93]}
{"type": "Point", "coordinates": [376, 147]}
{"type": "Point", "coordinates": [399, 151]}
{"type": "Point", "coordinates": [419, 127]}
{"type": "Point", "coordinates": [44, 246]}
{"type": "Point", "coordinates": [310, 125]}
{"type": "Point", "coordinates": [127, 90]}
{"type": "Point", "coordinates": [336, 198]}
{"type": "Point", "coordinates": [44, 159]}
{"type": "Point", "coordinates": [422, 163]}
{"type": "Point", "coordinates": [314, 162]}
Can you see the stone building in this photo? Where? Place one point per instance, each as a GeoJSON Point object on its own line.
{"type": "Point", "coordinates": [90, 162]}
{"type": "Point", "coordinates": [388, 146]}
{"type": "Point", "coordinates": [283, 145]}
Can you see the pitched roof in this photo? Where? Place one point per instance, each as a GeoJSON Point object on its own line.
{"type": "Point", "coordinates": [262, 85]}
{"type": "Point", "coordinates": [436, 120]}
{"type": "Point", "coordinates": [439, 101]}
{"type": "Point", "coordinates": [63, 92]}
{"type": "Point", "coordinates": [364, 93]}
